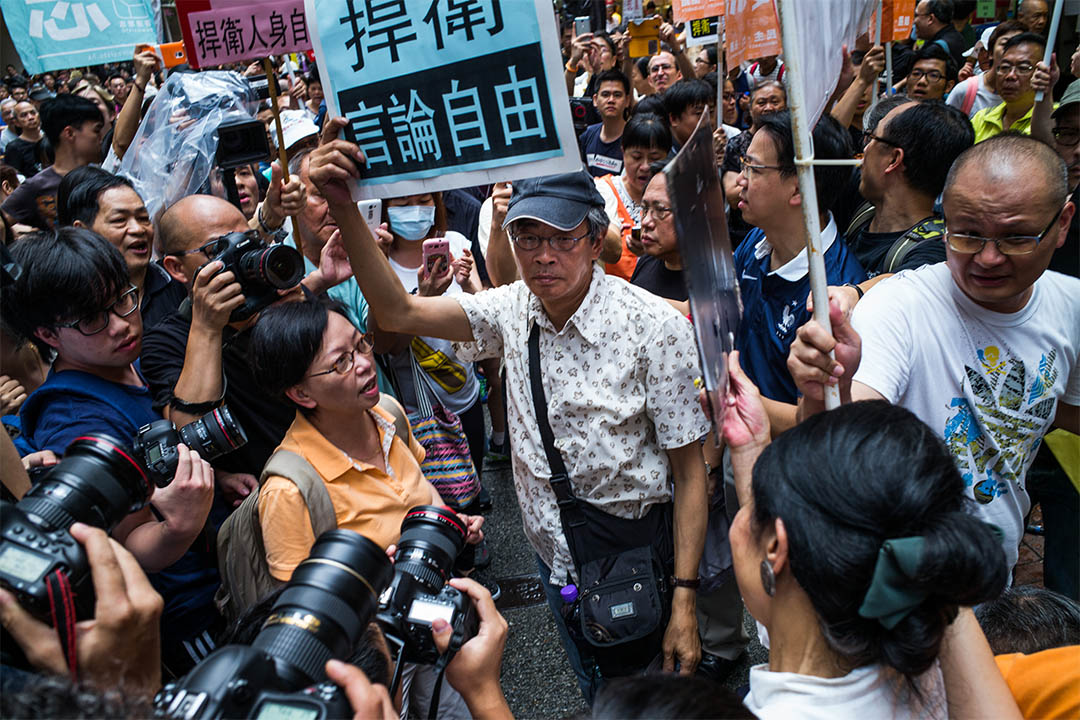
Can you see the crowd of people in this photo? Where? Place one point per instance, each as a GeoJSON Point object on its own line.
{"type": "Point", "coordinates": [875, 545]}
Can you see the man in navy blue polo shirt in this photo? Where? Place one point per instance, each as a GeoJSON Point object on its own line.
{"type": "Point", "coordinates": [772, 264]}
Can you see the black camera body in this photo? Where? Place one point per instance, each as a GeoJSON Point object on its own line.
{"type": "Point", "coordinates": [261, 269]}
{"type": "Point", "coordinates": [98, 482]}
{"type": "Point", "coordinates": [321, 614]}
{"type": "Point", "coordinates": [431, 538]}
{"type": "Point", "coordinates": [212, 436]}
{"type": "Point", "coordinates": [254, 689]}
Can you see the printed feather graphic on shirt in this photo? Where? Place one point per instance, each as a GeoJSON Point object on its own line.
{"type": "Point", "coordinates": [995, 430]}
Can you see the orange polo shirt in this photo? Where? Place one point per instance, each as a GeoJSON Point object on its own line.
{"type": "Point", "coordinates": [365, 499]}
{"type": "Point", "coordinates": [1045, 684]}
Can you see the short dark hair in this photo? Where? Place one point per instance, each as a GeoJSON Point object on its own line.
{"type": "Point", "coordinates": [941, 9]}
{"type": "Point", "coordinates": [710, 54]}
{"type": "Point", "coordinates": [612, 75]}
{"type": "Point", "coordinates": [604, 37]}
{"type": "Point", "coordinates": [1025, 37]}
{"type": "Point", "coordinates": [67, 111]}
{"type": "Point", "coordinates": [1008, 26]}
{"type": "Point", "coordinates": [1029, 619]}
{"type": "Point", "coordinates": [933, 51]}
{"type": "Point", "coordinates": [646, 131]}
{"type": "Point", "coordinates": [651, 105]}
{"type": "Point", "coordinates": [79, 194]}
{"type": "Point", "coordinates": [114, 76]}
{"type": "Point", "coordinates": [286, 340]}
{"type": "Point", "coordinates": [932, 135]}
{"type": "Point", "coordinates": [824, 503]}
{"type": "Point", "coordinates": [686, 94]}
{"type": "Point", "coordinates": [667, 697]}
{"type": "Point", "coordinates": [67, 272]}
{"type": "Point", "coordinates": [831, 141]}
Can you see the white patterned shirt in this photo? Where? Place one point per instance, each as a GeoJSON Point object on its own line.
{"type": "Point", "coordinates": [619, 382]}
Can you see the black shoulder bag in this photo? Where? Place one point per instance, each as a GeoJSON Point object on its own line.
{"type": "Point", "coordinates": [623, 566]}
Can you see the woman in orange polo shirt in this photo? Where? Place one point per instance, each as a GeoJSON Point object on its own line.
{"type": "Point", "coordinates": [312, 355]}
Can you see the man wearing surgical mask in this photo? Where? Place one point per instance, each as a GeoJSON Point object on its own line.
{"type": "Point", "coordinates": [448, 381]}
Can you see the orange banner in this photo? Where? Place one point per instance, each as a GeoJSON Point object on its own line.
{"type": "Point", "coordinates": [686, 10]}
{"type": "Point", "coordinates": [753, 30]}
{"type": "Point", "coordinates": [896, 20]}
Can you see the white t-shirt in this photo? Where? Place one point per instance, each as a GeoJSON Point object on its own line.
{"type": "Point", "coordinates": [988, 382]}
{"type": "Point", "coordinates": [984, 96]}
{"type": "Point", "coordinates": [864, 693]}
{"type": "Point", "coordinates": [463, 398]}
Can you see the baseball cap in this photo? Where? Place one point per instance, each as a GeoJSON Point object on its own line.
{"type": "Point", "coordinates": [296, 125]}
{"type": "Point", "coordinates": [39, 92]}
{"type": "Point", "coordinates": [561, 201]}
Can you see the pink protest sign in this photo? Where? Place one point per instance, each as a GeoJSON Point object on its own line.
{"type": "Point", "coordinates": [228, 33]}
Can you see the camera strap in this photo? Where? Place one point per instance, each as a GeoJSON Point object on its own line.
{"type": "Point", "coordinates": [62, 610]}
{"type": "Point", "coordinates": [570, 512]}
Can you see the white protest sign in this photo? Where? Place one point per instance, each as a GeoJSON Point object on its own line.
{"type": "Point", "coordinates": [445, 93]}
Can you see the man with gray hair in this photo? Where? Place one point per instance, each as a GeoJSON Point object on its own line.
{"type": "Point", "coordinates": [983, 348]}
{"type": "Point", "coordinates": [613, 369]}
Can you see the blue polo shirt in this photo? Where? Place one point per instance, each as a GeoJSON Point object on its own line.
{"type": "Point", "coordinates": [774, 305]}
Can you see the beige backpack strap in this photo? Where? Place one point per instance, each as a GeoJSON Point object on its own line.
{"type": "Point", "coordinates": [291, 466]}
{"type": "Point", "coordinates": [401, 422]}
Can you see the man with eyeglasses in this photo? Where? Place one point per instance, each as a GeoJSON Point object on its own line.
{"type": "Point", "coordinates": [1013, 74]}
{"type": "Point", "coordinates": [982, 348]}
{"type": "Point", "coordinates": [616, 362]}
{"type": "Point", "coordinates": [663, 71]}
{"type": "Point", "coordinates": [75, 302]}
{"type": "Point", "coordinates": [932, 74]}
{"type": "Point", "coordinates": [771, 263]}
{"type": "Point", "coordinates": [195, 359]}
{"type": "Point", "coordinates": [905, 160]}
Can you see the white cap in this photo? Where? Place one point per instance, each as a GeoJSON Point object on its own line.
{"type": "Point", "coordinates": [984, 40]}
{"type": "Point", "coordinates": [296, 125]}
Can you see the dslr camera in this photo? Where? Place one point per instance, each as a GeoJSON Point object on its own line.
{"type": "Point", "coordinates": [431, 538]}
{"type": "Point", "coordinates": [321, 614]}
{"type": "Point", "coordinates": [98, 482]}
{"type": "Point", "coordinates": [261, 269]}
{"type": "Point", "coordinates": [212, 435]}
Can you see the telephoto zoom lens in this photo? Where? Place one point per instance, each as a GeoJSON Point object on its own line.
{"type": "Point", "coordinates": [98, 482]}
{"type": "Point", "coordinates": [431, 538]}
{"type": "Point", "coordinates": [214, 434]}
{"type": "Point", "coordinates": [278, 266]}
{"type": "Point", "coordinates": [323, 611]}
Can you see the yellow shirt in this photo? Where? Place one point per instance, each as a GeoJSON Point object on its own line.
{"type": "Point", "coordinates": [365, 499]}
{"type": "Point", "coordinates": [987, 122]}
{"type": "Point", "coordinates": [1044, 684]}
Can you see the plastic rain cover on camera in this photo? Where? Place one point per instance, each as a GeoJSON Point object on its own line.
{"type": "Point", "coordinates": [174, 148]}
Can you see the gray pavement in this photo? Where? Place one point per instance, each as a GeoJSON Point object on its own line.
{"type": "Point", "coordinates": [536, 675]}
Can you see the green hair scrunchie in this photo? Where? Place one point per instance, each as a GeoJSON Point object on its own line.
{"type": "Point", "coordinates": [891, 597]}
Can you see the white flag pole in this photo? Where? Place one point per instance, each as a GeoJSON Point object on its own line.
{"type": "Point", "coordinates": [1051, 40]}
{"type": "Point", "coordinates": [804, 164]}
{"type": "Point", "coordinates": [877, 41]}
{"type": "Point", "coordinates": [888, 69]}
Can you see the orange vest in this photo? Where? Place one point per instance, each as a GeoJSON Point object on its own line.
{"type": "Point", "coordinates": [624, 268]}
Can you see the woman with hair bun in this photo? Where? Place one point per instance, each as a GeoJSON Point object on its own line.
{"type": "Point", "coordinates": [854, 549]}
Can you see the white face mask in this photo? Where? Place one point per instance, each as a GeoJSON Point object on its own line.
{"type": "Point", "coordinates": [412, 222]}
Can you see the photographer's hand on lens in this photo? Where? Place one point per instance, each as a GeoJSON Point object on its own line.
{"type": "Point", "coordinates": [335, 162]}
{"type": "Point", "coordinates": [437, 282]}
{"type": "Point", "coordinates": [474, 671]}
{"type": "Point", "coordinates": [808, 359]}
{"type": "Point", "coordinates": [42, 458]}
{"type": "Point", "coordinates": [121, 645]}
{"type": "Point", "coordinates": [473, 523]}
{"type": "Point", "coordinates": [367, 699]}
{"type": "Point", "coordinates": [235, 486]}
{"type": "Point", "coordinates": [185, 502]}
{"type": "Point", "coordinates": [215, 294]}
{"type": "Point", "coordinates": [12, 395]}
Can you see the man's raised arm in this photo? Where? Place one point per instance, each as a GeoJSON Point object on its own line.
{"type": "Point", "coordinates": [332, 164]}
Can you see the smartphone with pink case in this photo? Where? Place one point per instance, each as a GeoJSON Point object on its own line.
{"type": "Point", "coordinates": [436, 248]}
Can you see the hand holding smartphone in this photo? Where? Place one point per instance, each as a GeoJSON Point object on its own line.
{"type": "Point", "coordinates": [435, 248]}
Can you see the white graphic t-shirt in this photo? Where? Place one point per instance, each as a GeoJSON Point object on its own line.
{"type": "Point", "coordinates": [988, 382]}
